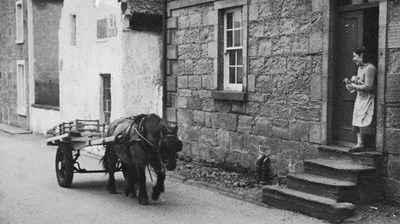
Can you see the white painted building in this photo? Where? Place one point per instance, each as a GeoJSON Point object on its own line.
{"type": "Point", "coordinates": [107, 69]}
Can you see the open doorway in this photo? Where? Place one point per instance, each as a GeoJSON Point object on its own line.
{"type": "Point", "coordinates": [105, 92]}
{"type": "Point", "coordinates": [355, 27]}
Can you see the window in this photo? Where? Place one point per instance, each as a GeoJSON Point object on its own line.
{"type": "Point", "coordinates": [102, 29]}
{"type": "Point", "coordinates": [19, 13]}
{"type": "Point", "coordinates": [233, 50]}
{"type": "Point", "coordinates": [106, 97]}
{"type": "Point", "coordinates": [73, 30]}
{"type": "Point", "coordinates": [21, 88]}
{"type": "Point", "coordinates": [231, 25]}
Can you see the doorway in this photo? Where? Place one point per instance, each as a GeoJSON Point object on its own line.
{"type": "Point", "coordinates": [354, 29]}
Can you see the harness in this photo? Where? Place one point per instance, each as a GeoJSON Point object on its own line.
{"type": "Point", "coordinates": [141, 138]}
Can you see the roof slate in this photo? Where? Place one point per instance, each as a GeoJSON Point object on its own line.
{"type": "Point", "coordinates": [154, 7]}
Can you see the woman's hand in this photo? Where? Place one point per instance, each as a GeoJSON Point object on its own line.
{"type": "Point", "coordinates": [354, 78]}
{"type": "Point", "coordinates": [351, 87]}
{"type": "Point", "coordinates": [346, 80]}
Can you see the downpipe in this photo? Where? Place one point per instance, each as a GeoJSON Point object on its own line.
{"type": "Point", "coordinates": [263, 172]}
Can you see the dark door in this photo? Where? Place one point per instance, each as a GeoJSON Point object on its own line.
{"type": "Point", "coordinates": [349, 35]}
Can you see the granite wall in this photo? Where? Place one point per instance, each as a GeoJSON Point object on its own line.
{"type": "Point", "coordinates": [281, 115]}
{"type": "Point", "coordinates": [392, 102]}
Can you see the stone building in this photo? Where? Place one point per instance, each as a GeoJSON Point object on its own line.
{"type": "Point", "coordinates": [28, 62]}
{"type": "Point", "coordinates": [14, 74]}
{"type": "Point", "coordinates": [265, 76]}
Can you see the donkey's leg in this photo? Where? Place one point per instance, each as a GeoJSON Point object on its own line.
{"type": "Point", "coordinates": [141, 175]}
{"type": "Point", "coordinates": [158, 188]}
{"type": "Point", "coordinates": [130, 177]}
{"type": "Point", "coordinates": [111, 167]}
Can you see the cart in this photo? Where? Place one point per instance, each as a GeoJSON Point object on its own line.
{"type": "Point", "coordinates": [71, 137]}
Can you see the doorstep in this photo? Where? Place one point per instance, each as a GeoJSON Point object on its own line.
{"type": "Point", "coordinates": [13, 130]}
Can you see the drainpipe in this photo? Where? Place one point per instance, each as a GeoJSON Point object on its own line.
{"type": "Point", "coordinates": [263, 171]}
{"type": "Point", "coordinates": [164, 61]}
{"type": "Point", "coordinates": [31, 61]}
{"type": "Point", "coordinates": [259, 164]}
{"type": "Point", "coordinates": [266, 177]}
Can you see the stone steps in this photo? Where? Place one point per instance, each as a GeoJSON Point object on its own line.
{"type": "Point", "coordinates": [330, 186]}
{"type": "Point", "coordinates": [341, 170]}
{"type": "Point", "coordinates": [309, 204]}
{"type": "Point", "coordinates": [323, 186]}
{"type": "Point", "coordinates": [342, 154]}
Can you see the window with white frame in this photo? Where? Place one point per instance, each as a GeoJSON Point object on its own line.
{"type": "Point", "coordinates": [233, 50]}
{"type": "Point", "coordinates": [21, 88]}
{"type": "Point", "coordinates": [19, 22]}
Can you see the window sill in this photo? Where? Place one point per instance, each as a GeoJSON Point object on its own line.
{"type": "Point", "coordinates": [46, 107]}
{"type": "Point", "coordinates": [227, 95]}
{"type": "Point", "coordinates": [21, 112]}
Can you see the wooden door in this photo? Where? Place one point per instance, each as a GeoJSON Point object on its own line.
{"type": "Point", "coordinates": [349, 35]}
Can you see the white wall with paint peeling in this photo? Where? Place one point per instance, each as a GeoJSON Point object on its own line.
{"type": "Point", "coordinates": [133, 58]}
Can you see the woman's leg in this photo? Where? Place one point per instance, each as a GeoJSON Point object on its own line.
{"type": "Point", "coordinates": [360, 139]}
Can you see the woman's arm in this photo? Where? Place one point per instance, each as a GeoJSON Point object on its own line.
{"type": "Point", "coordinates": [369, 80]}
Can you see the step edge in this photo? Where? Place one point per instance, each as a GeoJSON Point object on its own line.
{"type": "Point", "coordinates": [340, 183]}
{"type": "Point", "coordinates": [311, 197]}
{"type": "Point", "coordinates": [353, 167]}
{"type": "Point", "coordinates": [345, 150]}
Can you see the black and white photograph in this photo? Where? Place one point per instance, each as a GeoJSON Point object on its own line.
{"type": "Point", "coordinates": [199, 111]}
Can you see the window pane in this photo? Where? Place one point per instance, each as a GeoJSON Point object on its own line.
{"type": "Point", "coordinates": [232, 58]}
{"type": "Point", "coordinates": [231, 74]}
{"type": "Point", "coordinates": [239, 75]}
{"type": "Point", "coordinates": [238, 19]}
{"type": "Point", "coordinates": [108, 105]}
{"type": "Point", "coordinates": [239, 57]}
{"type": "Point", "coordinates": [229, 41]}
{"type": "Point", "coordinates": [238, 38]}
{"type": "Point", "coordinates": [229, 17]}
{"type": "Point", "coordinates": [107, 94]}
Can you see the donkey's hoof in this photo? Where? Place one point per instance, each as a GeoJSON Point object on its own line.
{"type": "Point", "coordinates": [155, 196]}
{"type": "Point", "coordinates": [112, 191]}
{"type": "Point", "coordinates": [143, 201]}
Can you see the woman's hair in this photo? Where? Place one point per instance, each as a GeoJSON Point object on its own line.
{"type": "Point", "coordinates": [364, 52]}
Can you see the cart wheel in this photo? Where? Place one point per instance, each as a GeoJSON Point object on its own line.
{"type": "Point", "coordinates": [64, 165]}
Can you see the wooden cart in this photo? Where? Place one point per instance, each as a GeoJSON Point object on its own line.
{"type": "Point", "coordinates": [71, 137]}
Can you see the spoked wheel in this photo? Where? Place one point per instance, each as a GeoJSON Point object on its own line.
{"type": "Point", "coordinates": [64, 165]}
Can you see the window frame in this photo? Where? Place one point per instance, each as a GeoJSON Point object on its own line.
{"type": "Point", "coordinates": [227, 85]}
{"type": "Point", "coordinates": [21, 88]}
{"type": "Point", "coordinates": [101, 30]}
{"type": "Point", "coordinates": [220, 92]}
{"type": "Point", "coordinates": [19, 22]}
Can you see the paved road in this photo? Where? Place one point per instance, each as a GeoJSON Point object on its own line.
{"type": "Point", "coordinates": [29, 193]}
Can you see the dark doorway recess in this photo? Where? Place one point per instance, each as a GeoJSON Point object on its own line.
{"type": "Point", "coordinates": [353, 29]}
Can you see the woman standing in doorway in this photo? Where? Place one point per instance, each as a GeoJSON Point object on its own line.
{"type": "Point", "coordinates": [364, 84]}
